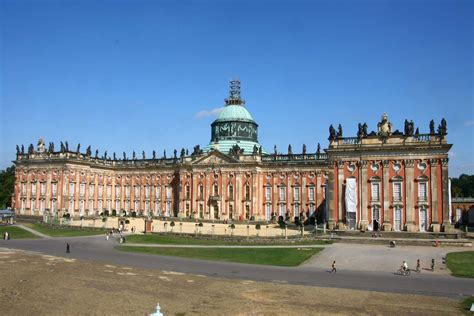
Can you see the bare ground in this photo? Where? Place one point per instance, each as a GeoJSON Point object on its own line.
{"type": "Point", "coordinates": [37, 284]}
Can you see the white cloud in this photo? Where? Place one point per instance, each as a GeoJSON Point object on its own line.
{"type": "Point", "coordinates": [206, 113]}
{"type": "Point", "coordinates": [469, 123]}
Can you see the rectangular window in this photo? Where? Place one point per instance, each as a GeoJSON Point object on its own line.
{"type": "Point", "coordinates": [117, 206]}
{"type": "Point", "coordinates": [53, 206]}
{"type": "Point", "coordinates": [81, 208]}
{"type": "Point", "coordinates": [99, 206]}
{"type": "Point", "coordinates": [147, 192]}
{"type": "Point", "coordinates": [458, 215]}
{"type": "Point", "coordinates": [71, 205]}
{"type": "Point", "coordinates": [100, 189]}
{"type": "Point", "coordinates": [247, 192]}
{"type": "Point", "coordinates": [136, 190]}
{"type": "Point", "coordinates": [201, 191]}
{"type": "Point", "coordinates": [127, 206]}
{"type": "Point", "coordinates": [311, 210]}
{"type": "Point", "coordinates": [282, 210]}
{"type": "Point", "coordinates": [168, 192]}
{"type": "Point", "coordinates": [109, 191]}
{"type": "Point", "coordinates": [135, 208]}
{"type": "Point", "coordinates": [117, 192]}
{"type": "Point", "coordinates": [216, 189]}
{"type": "Point", "coordinates": [157, 192]}
{"type": "Point", "coordinates": [168, 208]}
{"type": "Point", "coordinates": [398, 219]}
{"type": "Point", "coordinates": [127, 191]}
{"type": "Point", "coordinates": [297, 210]}
{"type": "Point", "coordinates": [43, 188]}
{"type": "Point", "coordinates": [311, 193]}
{"type": "Point", "coordinates": [282, 193]}
{"type": "Point", "coordinates": [268, 193]}
{"type": "Point", "coordinates": [71, 189]}
{"type": "Point", "coordinates": [42, 206]}
{"type": "Point", "coordinates": [268, 212]}
{"type": "Point", "coordinates": [33, 188]}
{"type": "Point", "coordinates": [91, 206]}
{"type": "Point", "coordinates": [231, 211]}
{"type": "Point", "coordinates": [188, 192]}
{"type": "Point", "coordinates": [375, 191]}
{"type": "Point", "coordinates": [23, 188]}
{"type": "Point", "coordinates": [91, 190]}
{"type": "Point", "coordinates": [422, 194]}
{"type": "Point", "coordinates": [54, 189]}
{"type": "Point", "coordinates": [22, 205]}
{"type": "Point", "coordinates": [247, 211]}
{"type": "Point", "coordinates": [82, 189]}
{"type": "Point", "coordinates": [33, 205]}
{"type": "Point", "coordinates": [296, 193]}
{"type": "Point", "coordinates": [397, 191]}
{"type": "Point", "coordinates": [147, 206]}
{"type": "Point", "coordinates": [231, 192]}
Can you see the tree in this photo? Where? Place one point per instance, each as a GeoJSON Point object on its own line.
{"type": "Point", "coordinates": [7, 185]}
{"type": "Point", "coordinates": [463, 186]}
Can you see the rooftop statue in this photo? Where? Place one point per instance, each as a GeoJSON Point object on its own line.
{"type": "Point", "coordinates": [260, 150]}
{"type": "Point", "coordinates": [154, 155]}
{"type": "Point", "coordinates": [255, 150]}
{"type": "Point", "coordinates": [289, 150]}
{"type": "Point", "coordinates": [96, 153]}
{"type": "Point", "coordinates": [134, 156]}
{"type": "Point", "coordinates": [88, 151]}
{"type": "Point", "coordinates": [187, 153]}
{"type": "Point", "coordinates": [443, 128]}
{"type": "Point", "coordinates": [124, 156]}
{"type": "Point", "coordinates": [432, 127]}
{"type": "Point", "coordinates": [31, 149]}
{"type": "Point", "coordinates": [78, 150]}
{"type": "Point", "coordinates": [183, 152]}
{"type": "Point", "coordinates": [409, 128]}
{"type": "Point", "coordinates": [143, 155]}
{"type": "Point", "coordinates": [318, 150]}
{"type": "Point", "coordinates": [384, 126]}
{"type": "Point", "coordinates": [339, 131]}
{"type": "Point", "coordinates": [17, 150]}
{"type": "Point", "coordinates": [364, 129]}
{"type": "Point", "coordinates": [67, 146]}
{"type": "Point", "coordinates": [164, 153]}
{"type": "Point", "coordinates": [22, 149]}
{"type": "Point", "coordinates": [41, 145]}
{"type": "Point", "coordinates": [332, 132]}
{"type": "Point", "coordinates": [115, 157]}
{"type": "Point", "coordinates": [105, 154]}
{"type": "Point", "coordinates": [63, 149]}
{"type": "Point", "coordinates": [175, 154]}
{"type": "Point", "coordinates": [275, 150]}
{"type": "Point", "coordinates": [304, 149]}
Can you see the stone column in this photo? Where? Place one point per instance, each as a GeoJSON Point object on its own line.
{"type": "Point", "coordinates": [304, 194]}
{"type": "Point", "coordinates": [340, 197]}
{"type": "Point", "coordinates": [238, 194]}
{"type": "Point", "coordinates": [435, 226]}
{"type": "Point", "coordinates": [409, 189]}
{"type": "Point", "coordinates": [364, 216]}
{"type": "Point", "coordinates": [289, 196]}
{"type": "Point", "coordinates": [275, 205]}
{"type": "Point", "coordinates": [387, 225]}
{"type": "Point", "coordinates": [330, 195]}
{"type": "Point", "coordinates": [207, 194]}
{"type": "Point", "coordinates": [223, 195]}
{"type": "Point", "coordinates": [317, 191]}
{"type": "Point", "coordinates": [254, 211]}
{"type": "Point", "coordinates": [447, 226]}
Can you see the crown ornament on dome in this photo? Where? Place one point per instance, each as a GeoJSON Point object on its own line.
{"type": "Point", "coordinates": [234, 93]}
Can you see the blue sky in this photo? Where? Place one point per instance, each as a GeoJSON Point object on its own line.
{"type": "Point", "coordinates": [133, 75]}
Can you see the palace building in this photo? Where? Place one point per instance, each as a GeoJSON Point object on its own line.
{"type": "Point", "coordinates": [386, 179]}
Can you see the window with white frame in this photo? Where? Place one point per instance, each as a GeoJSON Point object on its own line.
{"type": "Point", "coordinates": [247, 192]}
{"type": "Point", "coordinates": [117, 192]}
{"type": "Point", "coordinates": [33, 206]}
{"type": "Point", "coordinates": [458, 214]}
{"type": "Point", "coordinates": [127, 191]}
{"type": "Point", "coordinates": [231, 192]}
{"type": "Point", "coordinates": [375, 191]}
{"type": "Point", "coordinates": [54, 189]}
{"type": "Point", "coordinates": [147, 192]}
{"type": "Point", "coordinates": [168, 208]}
{"type": "Point", "coordinates": [201, 191]}
{"type": "Point", "coordinates": [397, 191]}
{"type": "Point", "coordinates": [53, 206]}
{"type": "Point", "coordinates": [71, 188]}
{"type": "Point", "coordinates": [82, 189]}
{"type": "Point", "coordinates": [422, 192]}
{"type": "Point", "coordinates": [397, 218]}
{"type": "Point", "coordinates": [268, 193]}
{"type": "Point", "coordinates": [136, 191]}
{"type": "Point", "coordinates": [23, 188]}
{"type": "Point", "coordinates": [296, 193]}
{"type": "Point", "coordinates": [91, 206]}
{"type": "Point", "coordinates": [311, 210]}
{"type": "Point", "coordinates": [282, 194]}
{"type": "Point", "coordinates": [71, 205]}
{"type": "Point", "coordinates": [157, 192]}
{"type": "Point", "coordinates": [99, 205]}
{"type": "Point", "coordinates": [23, 204]}
{"type": "Point", "coordinates": [168, 192]}
{"type": "Point", "coordinates": [117, 205]}
{"type": "Point", "coordinates": [297, 210]}
{"type": "Point", "coordinates": [311, 193]}
{"type": "Point", "coordinates": [81, 208]}
{"type": "Point", "coordinates": [91, 190]}
{"type": "Point", "coordinates": [147, 206]}
{"type": "Point", "coordinates": [42, 205]}
{"type": "Point", "coordinates": [268, 212]}
{"type": "Point", "coordinates": [43, 188]}
{"type": "Point", "coordinates": [33, 188]}
{"type": "Point", "coordinates": [127, 206]}
{"type": "Point", "coordinates": [101, 191]}
{"type": "Point", "coordinates": [282, 210]}
{"type": "Point", "coordinates": [135, 207]}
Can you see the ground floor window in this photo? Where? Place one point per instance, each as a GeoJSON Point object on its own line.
{"type": "Point", "coordinates": [375, 218]}
{"type": "Point", "coordinates": [458, 215]}
{"type": "Point", "coordinates": [99, 206]}
{"type": "Point", "coordinates": [33, 205]}
{"type": "Point", "coordinates": [231, 211]}
{"type": "Point", "coordinates": [282, 210]}
{"type": "Point", "coordinates": [127, 206]}
{"type": "Point", "coordinates": [71, 206]}
{"type": "Point", "coordinates": [268, 212]}
{"type": "Point", "coordinates": [423, 219]}
{"type": "Point", "coordinates": [201, 211]}
{"type": "Point", "coordinates": [42, 206]}
{"type": "Point", "coordinates": [397, 219]}
{"type": "Point", "coordinates": [81, 208]}
{"type": "Point", "coordinates": [117, 205]}
{"type": "Point", "coordinates": [168, 209]}
{"type": "Point", "coordinates": [311, 210]}
{"type": "Point", "coordinates": [135, 208]}
{"type": "Point", "coordinates": [297, 210]}
{"type": "Point", "coordinates": [22, 205]}
{"type": "Point", "coordinates": [247, 211]}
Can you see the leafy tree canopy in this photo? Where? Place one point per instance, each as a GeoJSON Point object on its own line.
{"type": "Point", "coordinates": [7, 184]}
{"type": "Point", "coordinates": [463, 186]}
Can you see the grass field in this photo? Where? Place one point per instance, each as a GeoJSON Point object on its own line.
{"type": "Point", "coordinates": [269, 256]}
{"type": "Point", "coordinates": [55, 231]}
{"type": "Point", "coordinates": [16, 232]}
{"type": "Point", "coordinates": [466, 305]}
{"type": "Point", "coordinates": [461, 264]}
{"type": "Point", "coordinates": [178, 240]}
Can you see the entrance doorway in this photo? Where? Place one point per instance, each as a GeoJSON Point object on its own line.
{"type": "Point", "coordinates": [351, 220]}
{"type": "Point", "coordinates": [216, 212]}
{"type": "Point", "coordinates": [375, 218]}
{"type": "Point", "coordinates": [423, 220]}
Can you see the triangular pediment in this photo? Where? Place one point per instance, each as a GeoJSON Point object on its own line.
{"type": "Point", "coordinates": [214, 157]}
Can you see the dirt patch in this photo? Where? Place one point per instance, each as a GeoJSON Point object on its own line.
{"type": "Point", "coordinates": [86, 288]}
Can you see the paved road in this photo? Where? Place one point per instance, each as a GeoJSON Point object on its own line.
{"type": "Point", "coordinates": [97, 249]}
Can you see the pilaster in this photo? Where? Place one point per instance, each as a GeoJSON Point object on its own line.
{"type": "Point", "coordinates": [409, 191]}
{"type": "Point", "coordinates": [447, 226]}
{"type": "Point", "coordinates": [364, 215]}
{"type": "Point", "coordinates": [387, 226]}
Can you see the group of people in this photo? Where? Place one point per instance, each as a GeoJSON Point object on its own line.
{"type": "Point", "coordinates": [404, 266]}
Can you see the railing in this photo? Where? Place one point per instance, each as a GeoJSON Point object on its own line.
{"type": "Point", "coordinates": [350, 141]}
{"type": "Point", "coordinates": [296, 157]}
{"type": "Point", "coordinates": [422, 138]}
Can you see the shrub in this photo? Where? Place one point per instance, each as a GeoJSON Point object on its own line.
{"type": "Point", "coordinates": [106, 213]}
{"type": "Point", "coordinates": [114, 213]}
{"type": "Point", "coordinates": [134, 214]}
{"type": "Point", "coordinates": [257, 226]}
{"type": "Point", "coordinates": [232, 226]}
{"type": "Point", "coordinates": [200, 224]}
{"type": "Point", "coordinates": [104, 219]}
{"type": "Point", "coordinates": [127, 221]}
{"type": "Point", "coordinates": [172, 223]}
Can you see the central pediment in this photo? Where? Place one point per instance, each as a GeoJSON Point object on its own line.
{"type": "Point", "coordinates": [215, 157]}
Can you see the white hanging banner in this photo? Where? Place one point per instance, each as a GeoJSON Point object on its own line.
{"type": "Point", "coordinates": [351, 195]}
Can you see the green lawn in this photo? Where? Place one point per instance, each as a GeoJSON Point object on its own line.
{"type": "Point", "coordinates": [461, 264]}
{"type": "Point", "coordinates": [16, 232]}
{"type": "Point", "coordinates": [56, 231]}
{"type": "Point", "coordinates": [466, 305]}
{"type": "Point", "coordinates": [178, 240]}
{"type": "Point", "coordinates": [288, 257]}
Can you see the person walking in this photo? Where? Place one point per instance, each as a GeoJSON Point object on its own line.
{"type": "Point", "coordinates": [418, 266]}
{"type": "Point", "coordinates": [333, 266]}
{"type": "Point", "coordinates": [68, 248]}
{"type": "Point", "coordinates": [432, 264]}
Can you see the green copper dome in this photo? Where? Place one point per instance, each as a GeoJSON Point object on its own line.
{"type": "Point", "coordinates": [234, 113]}
{"type": "Point", "coordinates": [234, 126]}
